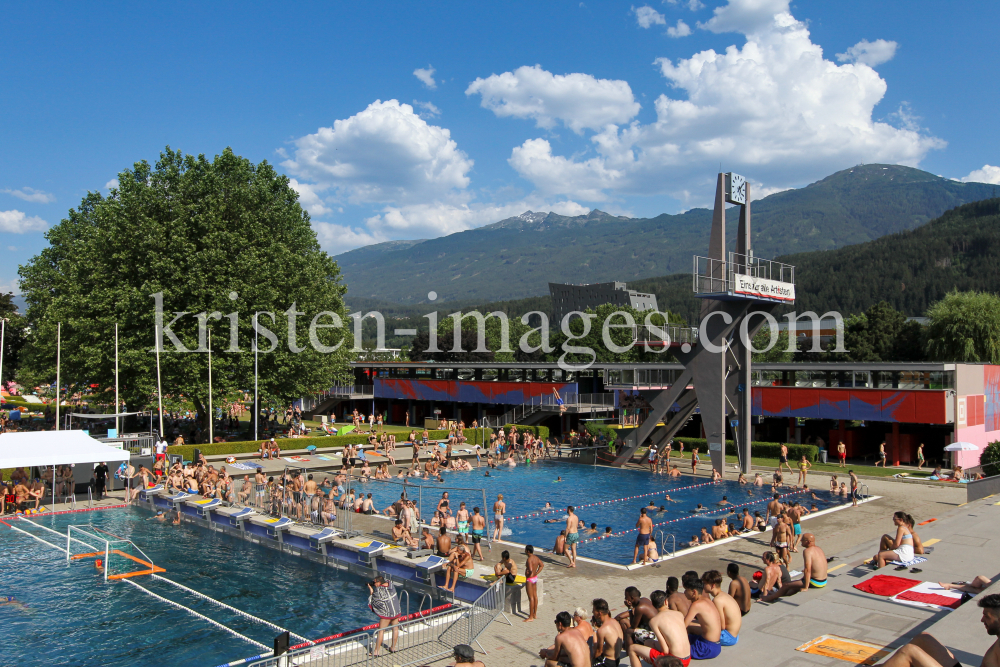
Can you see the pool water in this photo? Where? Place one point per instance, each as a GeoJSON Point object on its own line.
{"type": "Point", "coordinates": [602, 495]}
{"type": "Point", "coordinates": [72, 617]}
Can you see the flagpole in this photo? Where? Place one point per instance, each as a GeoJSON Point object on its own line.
{"type": "Point", "coordinates": [159, 386]}
{"type": "Point", "coordinates": [58, 360]}
{"type": "Point", "coordinates": [117, 402]}
{"type": "Point", "coordinates": [211, 415]}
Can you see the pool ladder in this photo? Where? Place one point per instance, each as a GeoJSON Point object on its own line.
{"type": "Point", "coordinates": [864, 491]}
{"type": "Point", "coordinates": [660, 539]}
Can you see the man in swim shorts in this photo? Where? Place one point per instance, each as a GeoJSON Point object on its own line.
{"type": "Point", "coordinates": [478, 532]}
{"type": "Point", "coordinates": [729, 608]}
{"type": "Point", "coordinates": [645, 527]}
{"type": "Point", "coordinates": [462, 517]}
{"type": "Point", "coordinates": [572, 535]}
{"type": "Point", "coordinates": [670, 633]}
{"type": "Point", "coordinates": [635, 621]}
{"type": "Point", "coordinates": [704, 624]}
{"type": "Point", "coordinates": [925, 649]}
{"type": "Point", "coordinates": [813, 575]}
{"type": "Point", "coordinates": [570, 649]}
{"type": "Point", "coordinates": [506, 568]}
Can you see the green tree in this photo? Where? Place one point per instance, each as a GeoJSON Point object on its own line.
{"type": "Point", "coordinates": [990, 459]}
{"type": "Point", "coordinates": [965, 326]}
{"type": "Point", "coordinates": [215, 237]}
{"type": "Point", "coordinates": [882, 333]}
{"type": "Point", "coordinates": [779, 352]}
{"type": "Point", "coordinates": [15, 332]}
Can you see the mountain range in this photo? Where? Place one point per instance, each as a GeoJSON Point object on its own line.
{"type": "Point", "coordinates": [519, 256]}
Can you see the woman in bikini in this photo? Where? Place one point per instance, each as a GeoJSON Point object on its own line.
{"type": "Point", "coordinates": [899, 547]}
{"type": "Point", "coordinates": [499, 509]}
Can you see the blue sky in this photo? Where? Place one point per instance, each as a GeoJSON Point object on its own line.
{"type": "Point", "coordinates": [407, 120]}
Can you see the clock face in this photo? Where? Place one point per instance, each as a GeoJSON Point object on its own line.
{"type": "Point", "coordinates": [736, 193]}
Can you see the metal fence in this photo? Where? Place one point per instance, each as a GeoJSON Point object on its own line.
{"type": "Point", "coordinates": [419, 641]}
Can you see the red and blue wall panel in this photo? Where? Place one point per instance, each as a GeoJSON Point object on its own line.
{"type": "Point", "coordinates": [885, 405]}
{"type": "Point", "coordinates": [506, 393]}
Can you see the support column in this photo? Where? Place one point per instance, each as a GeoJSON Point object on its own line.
{"type": "Point", "coordinates": [895, 443]}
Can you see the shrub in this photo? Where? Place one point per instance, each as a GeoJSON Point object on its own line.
{"type": "Point", "coordinates": [538, 431]}
{"type": "Point", "coordinates": [990, 458]}
{"type": "Point", "coordinates": [764, 450]}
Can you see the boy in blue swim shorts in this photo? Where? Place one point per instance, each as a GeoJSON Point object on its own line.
{"type": "Point", "coordinates": [730, 613]}
{"type": "Point", "coordinates": [702, 618]}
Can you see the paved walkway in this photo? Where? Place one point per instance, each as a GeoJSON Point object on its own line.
{"type": "Point", "coordinates": [771, 632]}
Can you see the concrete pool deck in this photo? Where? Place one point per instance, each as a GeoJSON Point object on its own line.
{"type": "Point", "coordinates": [772, 632]}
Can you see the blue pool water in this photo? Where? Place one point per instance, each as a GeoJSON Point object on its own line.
{"type": "Point", "coordinates": [74, 618]}
{"type": "Point", "coordinates": [591, 489]}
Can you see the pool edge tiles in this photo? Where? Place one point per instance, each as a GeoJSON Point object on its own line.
{"type": "Point", "coordinates": [342, 553]}
{"type": "Point", "coordinates": [728, 540]}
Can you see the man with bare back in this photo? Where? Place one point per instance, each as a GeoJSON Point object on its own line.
{"type": "Point", "coordinates": [729, 609]}
{"type": "Point", "coordinates": [671, 635]}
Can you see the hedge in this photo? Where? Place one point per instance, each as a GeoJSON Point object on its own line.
{"type": "Point", "coordinates": [764, 450]}
{"type": "Point", "coordinates": [321, 442]}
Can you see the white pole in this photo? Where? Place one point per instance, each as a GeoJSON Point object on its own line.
{"type": "Point", "coordinates": [3, 331]}
{"type": "Point", "coordinates": [211, 415]}
{"type": "Point", "coordinates": [117, 403]}
{"type": "Point", "coordinates": [159, 386]}
{"type": "Point", "coordinates": [256, 395]}
{"type": "Point", "coordinates": [58, 354]}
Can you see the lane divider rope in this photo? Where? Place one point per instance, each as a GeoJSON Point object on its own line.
{"type": "Point", "coordinates": [610, 502]}
{"type": "Point", "coordinates": [232, 609]}
{"type": "Point", "coordinates": [692, 516]}
{"type": "Point", "coordinates": [193, 612]}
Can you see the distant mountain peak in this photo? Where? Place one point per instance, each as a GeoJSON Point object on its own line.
{"type": "Point", "coordinates": [531, 216]}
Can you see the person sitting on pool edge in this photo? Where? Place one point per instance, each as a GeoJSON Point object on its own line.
{"type": "Point", "coordinates": [703, 621]}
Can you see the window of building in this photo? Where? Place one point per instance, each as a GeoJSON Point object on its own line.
{"type": "Point", "coordinates": [466, 374]}
{"type": "Point", "coordinates": [444, 373]}
{"type": "Point", "coordinates": [515, 375]}
{"type": "Point", "coordinates": [490, 374]}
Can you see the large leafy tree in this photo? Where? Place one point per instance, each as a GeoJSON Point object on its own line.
{"type": "Point", "coordinates": [218, 236]}
{"type": "Point", "coordinates": [965, 326]}
{"type": "Point", "coordinates": [15, 331]}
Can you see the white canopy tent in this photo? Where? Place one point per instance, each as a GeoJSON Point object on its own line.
{"type": "Point", "coordinates": [54, 448]}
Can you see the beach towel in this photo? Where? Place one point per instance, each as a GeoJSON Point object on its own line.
{"type": "Point", "coordinates": [886, 585]}
{"type": "Point", "coordinates": [916, 560]}
{"type": "Point", "coordinates": [930, 594]}
{"type": "Point", "coordinates": [243, 466]}
{"type": "Point", "coordinates": [321, 457]}
{"type": "Point", "coordinates": [301, 459]}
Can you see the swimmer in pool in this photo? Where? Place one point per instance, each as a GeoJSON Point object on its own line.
{"type": "Point", "coordinates": [698, 509]}
{"type": "Point", "coordinates": [723, 502]}
{"type": "Point", "coordinates": [558, 479]}
{"type": "Point", "coordinates": [592, 530]}
{"type": "Point", "coordinates": [671, 500]}
{"type": "Point", "coordinates": [10, 601]}
{"type": "Point", "coordinates": [553, 521]}
{"type": "Point", "coordinates": [548, 506]}
{"type": "Point", "coordinates": [99, 566]}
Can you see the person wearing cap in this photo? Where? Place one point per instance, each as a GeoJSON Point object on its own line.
{"type": "Point", "coordinates": [465, 656]}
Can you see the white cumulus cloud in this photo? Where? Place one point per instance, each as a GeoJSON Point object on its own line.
{"type": "Point", "coordinates": [17, 222]}
{"type": "Point", "coordinates": [113, 183]}
{"type": "Point", "coordinates": [988, 174]}
{"type": "Point", "coordinates": [774, 109]}
{"type": "Point", "coordinates": [693, 5]}
{"type": "Point", "coordinates": [32, 195]}
{"type": "Point", "coordinates": [869, 53]}
{"type": "Point", "coordinates": [386, 153]}
{"type": "Point", "coordinates": [580, 101]}
{"type": "Point", "coordinates": [682, 29]}
{"type": "Point", "coordinates": [426, 76]}
{"type": "Point", "coordinates": [646, 17]}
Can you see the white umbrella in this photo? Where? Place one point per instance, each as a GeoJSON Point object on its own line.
{"type": "Point", "coordinates": [961, 447]}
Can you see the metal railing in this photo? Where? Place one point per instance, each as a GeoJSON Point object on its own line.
{"type": "Point", "coordinates": [717, 276]}
{"type": "Point", "coordinates": [337, 391]}
{"type": "Point", "coordinates": [661, 540]}
{"type": "Point", "coordinates": [419, 641]}
{"type": "Point", "coordinates": [133, 442]}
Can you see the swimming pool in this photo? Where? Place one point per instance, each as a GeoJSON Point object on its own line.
{"type": "Point", "coordinates": [73, 617]}
{"type": "Point", "coordinates": [602, 495]}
